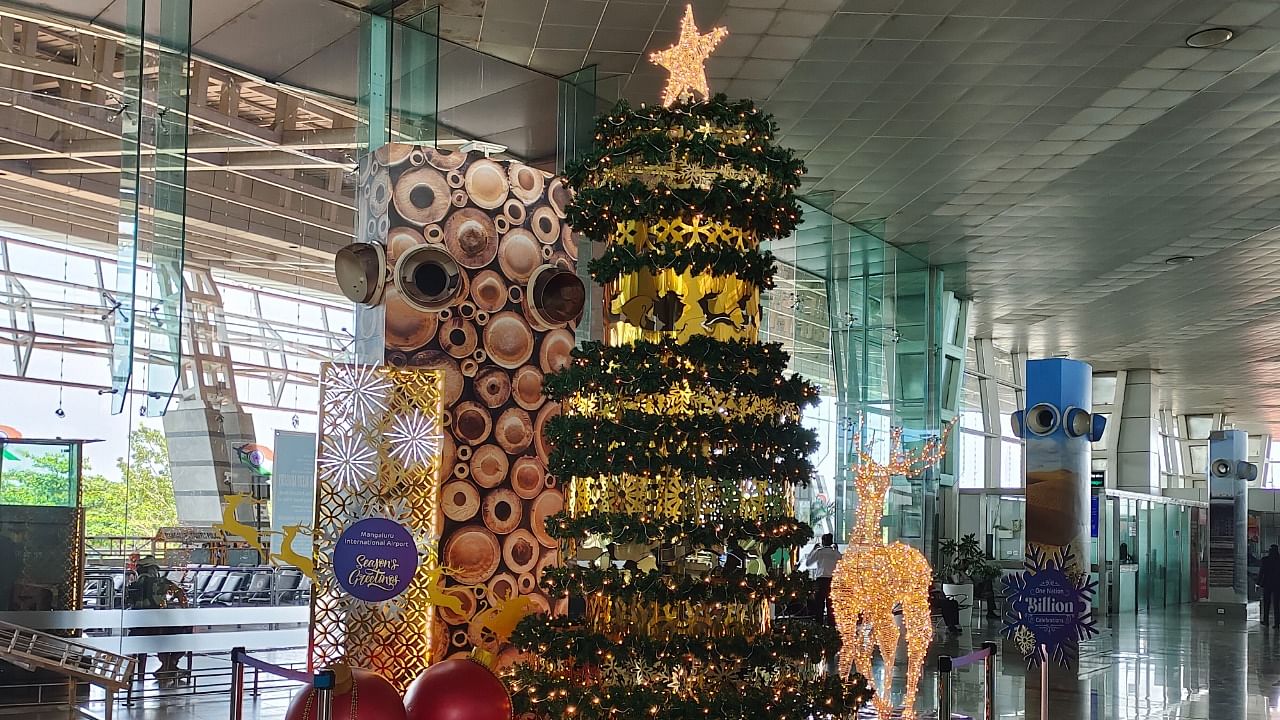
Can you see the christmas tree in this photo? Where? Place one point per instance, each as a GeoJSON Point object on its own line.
{"type": "Point", "coordinates": [681, 439]}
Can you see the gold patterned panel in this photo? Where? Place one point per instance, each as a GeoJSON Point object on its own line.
{"type": "Point", "coordinates": [653, 306]}
{"type": "Point", "coordinates": [379, 456]}
{"type": "Point", "coordinates": [675, 497]}
{"type": "Point", "coordinates": [618, 617]}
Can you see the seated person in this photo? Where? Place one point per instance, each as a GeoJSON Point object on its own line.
{"type": "Point", "coordinates": [948, 608]}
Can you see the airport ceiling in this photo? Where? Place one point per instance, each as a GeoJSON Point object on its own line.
{"type": "Point", "coordinates": [1061, 159]}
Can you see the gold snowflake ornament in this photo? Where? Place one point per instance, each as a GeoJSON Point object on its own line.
{"type": "Point", "coordinates": [684, 60]}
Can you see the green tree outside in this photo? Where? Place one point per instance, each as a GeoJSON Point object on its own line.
{"type": "Point", "coordinates": [137, 503]}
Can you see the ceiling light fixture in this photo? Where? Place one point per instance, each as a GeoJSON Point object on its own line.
{"type": "Point", "coordinates": [1179, 260]}
{"type": "Point", "coordinates": [1210, 38]}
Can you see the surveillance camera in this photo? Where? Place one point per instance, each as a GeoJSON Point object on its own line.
{"type": "Point", "coordinates": [60, 412]}
{"type": "Point", "coordinates": [428, 278]}
{"type": "Point", "coordinates": [361, 270]}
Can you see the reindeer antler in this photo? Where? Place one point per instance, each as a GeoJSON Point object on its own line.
{"type": "Point", "coordinates": [871, 477]}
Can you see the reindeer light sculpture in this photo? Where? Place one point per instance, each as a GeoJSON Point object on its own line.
{"type": "Point", "coordinates": [874, 579]}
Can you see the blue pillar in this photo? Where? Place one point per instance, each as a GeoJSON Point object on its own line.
{"type": "Point", "coordinates": [1058, 425]}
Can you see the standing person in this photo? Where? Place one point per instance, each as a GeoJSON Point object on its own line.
{"type": "Point", "coordinates": [822, 560]}
{"type": "Point", "coordinates": [152, 591]}
{"type": "Point", "coordinates": [1269, 581]}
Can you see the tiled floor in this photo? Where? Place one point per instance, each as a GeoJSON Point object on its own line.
{"type": "Point", "coordinates": [1165, 665]}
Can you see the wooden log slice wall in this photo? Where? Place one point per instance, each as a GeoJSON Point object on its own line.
{"type": "Point", "coordinates": [503, 224]}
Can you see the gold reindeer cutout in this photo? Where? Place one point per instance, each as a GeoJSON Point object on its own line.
{"type": "Point", "coordinates": [230, 525]}
{"type": "Point", "coordinates": [873, 580]}
{"type": "Point", "coordinates": [289, 556]}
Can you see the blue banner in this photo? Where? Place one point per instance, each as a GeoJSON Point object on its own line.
{"type": "Point", "coordinates": [293, 493]}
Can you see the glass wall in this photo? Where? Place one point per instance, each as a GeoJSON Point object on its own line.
{"type": "Point", "coordinates": [887, 343]}
{"type": "Point", "coordinates": [168, 222]}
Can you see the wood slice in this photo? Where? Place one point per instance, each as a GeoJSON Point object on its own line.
{"type": "Point", "coordinates": [501, 587]}
{"type": "Point", "coordinates": [569, 241]}
{"type": "Point", "coordinates": [493, 387]}
{"type": "Point", "coordinates": [378, 196]}
{"type": "Point", "coordinates": [558, 195]}
{"type": "Point", "coordinates": [526, 583]}
{"type": "Point", "coordinates": [555, 353]}
{"type": "Point", "coordinates": [519, 255]}
{"type": "Point", "coordinates": [471, 238]}
{"type": "Point", "coordinates": [528, 476]}
{"type": "Point", "coordinates": [540, 604]}
{"type": "Point", "coordinates": [486, 184]}
{"type": "Point", "coordinates": [521, 551]}
{"type": "Point", "coordinates": [540, 441]}
{"type": "Point", "coordinates": [393, 154]}
{"type": "Point", "coordinates": [526, 182]}
{"type": "Point", "coordinates": [436, 360]}
{"type": "Point", "coordinates": [399, 240]}
{"type": "Point", "coordinates": [546, 226]}
{"type": "Point", "coordinates": [489, 464]}
{"type": "Point", "coordinates": [448, 452]}
{"type": "Point", "coordinates": [548, 559]}
{"type": "Point", "coordinates": [406, 328]}
{"type": "Point", "coordinates": [545, 505]}
{"type": "Point", "coordinates": [526, 387]}
{"type": "Point", "coordinates": [508, 340]}
{"type": "Point", "coordinates": [473, 554]}
{"type": "Point", "coordinates": [489, 291]}
{"type": "Point", "coordinates": [444, 159]}
{"type": "Point", "coordinates": [433, 233]}
{"type": "Point", "coordinates": [471, 422]}
{"type": "Point", "coordinates": [501, 223]}
{"type": "Point", "coordinates": [502, 511]}
{"type": "Point", "coordinates": [439, 642]}
{"type": "Point", "coordinates": [514, 430]}
{"type": "Point", "coordinates": [513, 210]}
{"type": "Point", "coordinates": [421, 196]}
{"type": "Point", "coordinates": [454, 178]}
{"type": "Point", "coordinates": [459, 500]}
{"type": "Point", "coordinates": [458, 337]}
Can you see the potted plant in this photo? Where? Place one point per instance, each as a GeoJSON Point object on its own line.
{"type": "Point", "coordinates": [964, 567]}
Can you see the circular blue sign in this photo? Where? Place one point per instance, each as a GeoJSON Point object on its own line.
{"type": "Point", "coordinates": [375, 559]}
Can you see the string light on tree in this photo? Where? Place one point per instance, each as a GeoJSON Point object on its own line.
{"type": "Point", "coordinates": [685, 60]}
{"type": "Point", "coordinates": [681, 438]}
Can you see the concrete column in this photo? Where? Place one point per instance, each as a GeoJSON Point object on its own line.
{"type": "Point", "coordinates": [1137, 459]}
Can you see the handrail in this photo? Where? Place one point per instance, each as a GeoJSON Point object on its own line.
{"type": "Point", "coordinates": [79, 662]}
{"type": "Point", "coordinates": [948, 664]}
{"type": "Point", "coordinates": [322, 682]}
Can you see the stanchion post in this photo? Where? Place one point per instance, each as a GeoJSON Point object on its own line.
{"type": "Point", "coordinates": [989, 670]}
{"type": "Point", "coordinates": [323, 683]}
{"type": "Point", "coordinates": [944, 687]}
{"type": "Point", "coordinates": [237, 684]}
{"type": "Point", "coordinates": [1044, 682]}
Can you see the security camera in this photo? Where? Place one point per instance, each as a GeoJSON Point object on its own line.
{"type": "Point", "coordinates": [428, 278]}
{"type": "Point", "coordinates": [361, 269]}
{"type": "Point", "coordinates": [558, 295]}
{"type": "Point", "coordinates": [60, 412]}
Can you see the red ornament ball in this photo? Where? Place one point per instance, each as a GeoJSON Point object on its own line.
{"type": "Point", "coordinates": [358, 695]}
{"type": "Point", "coordinates": [457, 689]}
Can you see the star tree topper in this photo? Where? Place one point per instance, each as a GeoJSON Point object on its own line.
{"type": "Point", "coordinates": [684, 60]}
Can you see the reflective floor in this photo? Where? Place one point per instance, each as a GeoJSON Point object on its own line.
{"type": "Point", "coordinates": [1160, 665]}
